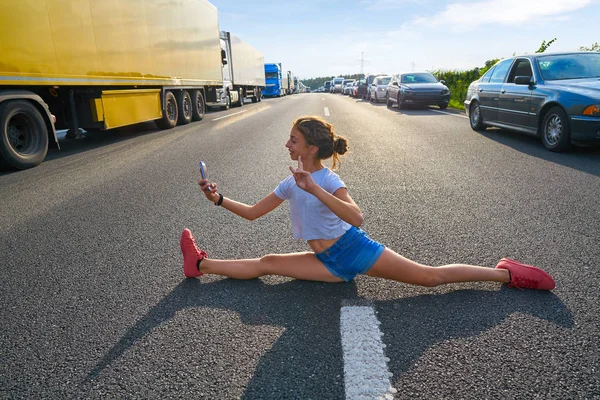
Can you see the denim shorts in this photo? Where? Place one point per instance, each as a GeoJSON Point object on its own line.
{"type": "Point", "coordinates": [354, 253]}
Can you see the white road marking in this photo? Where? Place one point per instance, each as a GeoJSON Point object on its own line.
{"type": "Point", "coordinates": [447, 113]}
{"type": "Point", "coordinates": [230, 115]}
{"type": "Point", "coordinates": [366, 375]}
{"type": "Point", "coordinates": [326, 110]}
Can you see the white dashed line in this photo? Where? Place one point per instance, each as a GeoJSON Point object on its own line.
{"type": "Point", "coordinates": [230, 115]}
{"type": "Point", "coordinates": [366, 375]}
{"type": "Point", "coordinates": [326, 110]}
{"type": "Point", "coordinates": [447, 113]}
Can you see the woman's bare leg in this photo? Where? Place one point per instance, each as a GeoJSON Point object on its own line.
{"type": "Point", "coordinates": [305, 266]}
{"type": "Point", "coordinates": [393, 266]}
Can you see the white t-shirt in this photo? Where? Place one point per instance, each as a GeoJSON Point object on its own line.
{"type": "Point", "coordinates": [311, 219]}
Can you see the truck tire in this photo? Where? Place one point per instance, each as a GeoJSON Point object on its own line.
{"type": "Point", "coordinates": [23, 135]}
{"type": "Point", "coordinates": [198, 105]}
{"type": "Point", "coordinates": [170, 112]}
{"type": "Point", "coordinates": [255, 95]}
{"type": "Point", "coordinates": [259, 94]}
{"type": "Point", "coordinates": [184, 105]}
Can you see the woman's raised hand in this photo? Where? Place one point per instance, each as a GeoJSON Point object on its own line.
{"type": "Point", "coordinates": [209, 190]}
{"type": "Point", "coordinates": [303, 178]}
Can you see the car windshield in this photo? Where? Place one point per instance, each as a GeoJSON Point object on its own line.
{"type": "Point", "coordinates": [569, 66]}
{"type": "Point", "coordinates": [338, 81]}
{"type": "Point", "coordinates": [418, 78]}
{"type": "Point", "coordinates": [383, 81]}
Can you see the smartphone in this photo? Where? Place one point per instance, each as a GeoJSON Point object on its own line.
{"type": "Point", "coordinates": [203, 170]}
{"type": "Point", "coordinates": [203, 173]}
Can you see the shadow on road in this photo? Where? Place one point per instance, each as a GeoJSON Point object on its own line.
{"type": "Point", "coordinates": [585, 159]}
{"type": "Point", "coordinates": [300, 363]}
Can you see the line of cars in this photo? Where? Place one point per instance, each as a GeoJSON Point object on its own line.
{"type": "Point", "coordinates": [405, 89]}
{"type": "Point", "coordinates": [553, 96]}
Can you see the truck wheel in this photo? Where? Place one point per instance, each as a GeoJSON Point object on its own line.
{"type": "Point", "coordinates": [170, 113]}
{"type": "Point", "coordinates": [241, 98]}
{"type": "Point", "coordinates": [255, 95]}
{"type": "Point", "coordinates": [184, 105]}
{"type": "Point", "coordinates": [260, 96]}
{"type": "Point", "coordinates": [198, 105]}
{"type": "Point", "coordinates": [23, 135]}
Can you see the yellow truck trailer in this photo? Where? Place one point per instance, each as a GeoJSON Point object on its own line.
{"type": "Point", "coordinates": [101, 64]}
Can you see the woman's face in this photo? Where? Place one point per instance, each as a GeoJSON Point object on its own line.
{"type": "Point", "coordinates": [297, 146]}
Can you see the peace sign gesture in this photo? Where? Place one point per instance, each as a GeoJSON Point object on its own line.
{"type": "Point", "coordinates": [303, 178]}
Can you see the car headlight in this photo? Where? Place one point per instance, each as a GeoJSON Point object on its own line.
{"type": "Point", "coordinates": [406, 91]}
{"type": "Point", "coordinates": [445, 91]}
{"type": "Point", "coordinates": [592, 110]}
{"type": "Point", "coordinates": [382, 89]}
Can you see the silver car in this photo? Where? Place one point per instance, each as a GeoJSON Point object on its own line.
{"type": "Point", "coordinates": [417, 89]}
{"type": "Point", "coordinates": [378, 89]}
{"type": "Point", "coordinates": [337, 85]}
{"type": "Point", "coordinates": [348, 86]}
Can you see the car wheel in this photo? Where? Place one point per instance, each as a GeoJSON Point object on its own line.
{"type": "Point", "coordinates": [387, 100]}
{"type": "Point", "coordinates": [556, 132]}
{"type": "Point", "coordinates": [400, 102]}
{"type": "Point", "coordinates": [475, 117]}
{"type": "Point", "coordinates": [443, 106]}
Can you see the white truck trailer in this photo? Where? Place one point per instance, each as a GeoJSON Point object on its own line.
{"type": "Point", "coordinates": [243, 73]}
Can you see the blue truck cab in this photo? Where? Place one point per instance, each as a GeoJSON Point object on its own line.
{"type": "Point", "coordinates": [273, 81]}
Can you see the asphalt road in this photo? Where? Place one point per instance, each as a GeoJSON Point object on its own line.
{"type": "Point", "coordinates": [94, 303]}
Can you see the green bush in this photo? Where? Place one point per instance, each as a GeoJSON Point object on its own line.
{"type": "Point", "coordinates": [458, 82]}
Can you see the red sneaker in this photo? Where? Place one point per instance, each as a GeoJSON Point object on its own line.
{"type": "Point", "coordinates": [526, 276]}
{"type": "Point", "coordinates": [191, 255]}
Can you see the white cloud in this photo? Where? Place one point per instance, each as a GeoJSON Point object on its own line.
{"type": "Point", "coordinates": [376, 5]}
{"type": "Point", "coordinates": [466, 16]}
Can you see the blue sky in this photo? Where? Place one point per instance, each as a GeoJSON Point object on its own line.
{"type": "Point", "coordinates": [316, 38]}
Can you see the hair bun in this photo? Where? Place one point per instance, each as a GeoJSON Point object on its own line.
{"type": "Point", "coordinates": [340, 145]}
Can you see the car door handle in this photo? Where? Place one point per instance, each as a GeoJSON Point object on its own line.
{"type": "Point", "coordinates": [503, 91]}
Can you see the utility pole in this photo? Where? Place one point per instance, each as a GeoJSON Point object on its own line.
{"type": "Point", "coordinates": [362, 62]}
{"type": "Point", "coordinates": [413, 65]}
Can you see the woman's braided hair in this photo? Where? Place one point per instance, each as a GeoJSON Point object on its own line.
{"type": "Point", "coordinates": [318, 132]}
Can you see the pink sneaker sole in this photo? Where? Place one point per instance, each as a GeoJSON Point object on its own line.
{"type": "Point", "coordinates": [526, 276]}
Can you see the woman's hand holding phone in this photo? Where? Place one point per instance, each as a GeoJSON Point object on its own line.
{"type": "Point", "coordinates": [209, 189]}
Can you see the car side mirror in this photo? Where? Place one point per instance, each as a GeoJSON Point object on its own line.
{"type": "Point", "coordinates": [395, 83]}
{"type": "Point", "coordinates": [523, 80]}
{"type": "Point", "coordinates": [443, 82]}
